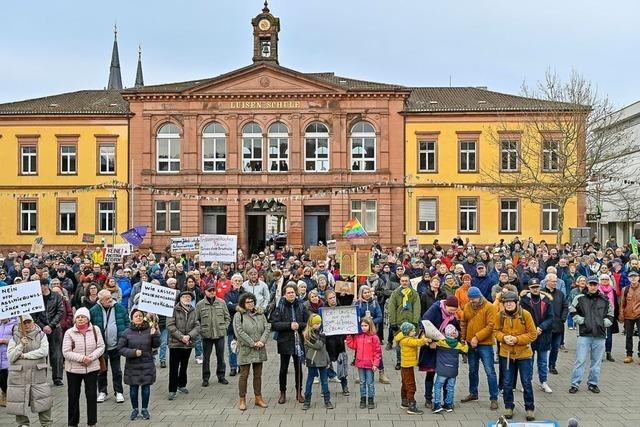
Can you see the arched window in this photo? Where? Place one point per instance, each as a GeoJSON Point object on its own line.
{"type": "Point", "coordinates": [168, 148]}
{"type": "Point", "coordinates": [363, 147]}
{"type": "Point", "coordinates": [214, 148]}
{"type": "Point", "coordinates": [316, 148]}
{"type": "Point", "coordinates": [278, 137]}
{"type": "Point", "coordinates": [252, 148]}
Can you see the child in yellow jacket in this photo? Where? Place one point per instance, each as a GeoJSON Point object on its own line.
{"type": "Point", "coordinates": [409, 347]}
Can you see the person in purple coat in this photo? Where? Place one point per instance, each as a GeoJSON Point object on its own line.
{"type": "Point", "coordinates": [6, 332]}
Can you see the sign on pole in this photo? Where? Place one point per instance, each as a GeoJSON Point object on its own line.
{"type": "Point", "coordinates": [363, 263]}
{"type": "Point", "coordinates": [185, 244]}
{"type": "Point", "coordinates": [88, 238]}
{"type": "Point", "coordinates": [218, 247]}
{"type": "Point", "coordinates": [346, 262]}
{"type": "Point", "coordinates": [331, 247]}
{"type": "Point", "coordinates": [414, 244]}
{"type": "Point", "coordinates": [157, 299]}
{"type": "Point", "coordinates": [21, 299]}
{"type": "Point", "coordinates": [113, 254]}
{"type": "Point", "coordinates": [318, 253]}
{"type": "Point", "coordinates": [36, 246]}
{"type": "Point", "coordinates": [339, 320]}
{"type": "Point", "coordinates": [126, 248]}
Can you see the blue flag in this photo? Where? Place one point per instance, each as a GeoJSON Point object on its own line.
{"type": "Point", "coordinates": [135, 235]}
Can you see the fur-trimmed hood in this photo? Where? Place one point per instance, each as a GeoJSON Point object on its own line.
{"type": "Point", "coordinates": [543, 294]}
{"type": "Point", "coordinates": [259, 310]}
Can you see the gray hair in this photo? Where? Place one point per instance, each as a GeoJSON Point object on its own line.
{"type": "Point", "coordinates": [104, 293]}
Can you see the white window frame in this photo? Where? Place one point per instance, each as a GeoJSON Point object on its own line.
{"type": "Point", "coordinates": [170, 209]}
{"type": "Point", "coordinates": [277, 137]}
{"type": "Point", "coordinates": [471, 214]}
{"type": "Point", "coordinates": [362, 210]}
{"type": "Point", "coordinates": [32, 159]}
{"type": "Point", "coordinates": [109, 216]}
{"type": "Point", "coordinates": [512, 215]}
{"type": "Point", "coordinates": [104, 154]}
{"type": "Point", "coordinates": [428, 215]}
{"type": "Point", "coordinates": [252, 141]}
{"type": "Point", "coordinates": [69, 214]}
{"type": "Point", "coordinates": [510, 154]}
{"type": "Point", "coordinates": [550, 155]}
{"type": "Point", "coordinates": [215, 135]}
{"type": "Point", "coordinates": [68, 156]}
{"type": "Point", "coordinates": [466, 153]}
{"type": "Point", "coordinates": [29, 208]}
{"type": "Point", "coordinates": [315, 138]}
{"type": "Point", "coordinates": [427, 152]}
{"type": "Point", "coordinates": [363, 138]}
{"type": "Point", "coordinates": [549, 210]}
{"type": "Point", "coordinates": [170, 139]}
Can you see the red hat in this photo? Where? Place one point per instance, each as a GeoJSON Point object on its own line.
{"type": "Point", "coordinates": [451, 302]}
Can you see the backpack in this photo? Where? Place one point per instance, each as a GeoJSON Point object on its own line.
{"type": "Point", "coordinates": [502, 317]}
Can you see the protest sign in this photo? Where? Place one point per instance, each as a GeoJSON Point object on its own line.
{"type": "Point", "coordinates": [126, 248]}
{"type": "Point", "coordinates": [157, 299]}
{"type": "Point", "coordinates": [218, 247]}
{"type": "Point", "coordinates": [343, 246]}
{"type": "Point", "coordinates": [331, 247]}
{"type": "Point", "coordinates": [415, 281]}
{"type": "Point", "coordinates": [346, 261]}
{"type": "Point", "coordinates": [36, 246]}
{"type": "Point", "coordinates": [20, 299]}
{"type": "Point", "coordinates": [113, 254]}
{"type": "Point", "coordinates": [88, 238]}
{"type": "Point", "coordinates": [363, 263]}
{"type": "Point", "coordinates": [431, 332]}
{"type": "Point", "coordinates": [342, 287]}
{"type": "Point", "coordinates": [185, 244]}
{"type": "Point", "coordinates": [414, 244]}
{"type": "Point", "coordinates": [318, 253]}
{"type": "Point", "coordinates": [339, 320]}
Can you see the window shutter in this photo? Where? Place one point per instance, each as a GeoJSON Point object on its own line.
{"type": "Point", "coordinates": [427, 210]}
{"type": "Point", "coordinates": [67, 207]}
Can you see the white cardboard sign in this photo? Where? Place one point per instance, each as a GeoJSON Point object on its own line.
{"type": "Point", "coordinates": [218, 247]}
{"type": "Point", "coordinates": [339, 320]}
{"type": "Point", "coordinates": [157, 299]}
{"type": "Point", "coordinates": [113, 254]}
{"type": "Point", "coordinates": [20, 299]}
{"type": "Point", "coordinates": [185, 244]}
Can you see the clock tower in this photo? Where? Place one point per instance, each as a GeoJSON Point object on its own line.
{"type": "Point", "coordinates": [265, 36]}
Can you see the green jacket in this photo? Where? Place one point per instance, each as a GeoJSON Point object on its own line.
{"type": "Point", "coordinates": [248, 329]}
{"type": "Point", "coordinates": [122, 318]}
{"type": "Point", "coordinates": [398, 314]}
{"type": "Point", "coordinates": [214, 318]}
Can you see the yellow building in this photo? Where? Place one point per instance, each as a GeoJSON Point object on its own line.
{"type": "Point", "coordinates": [454, 138]}
{"type": "Point", "coordinates": [54, 150]}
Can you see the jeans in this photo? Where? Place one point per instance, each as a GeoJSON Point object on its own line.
{"type": "Point", "coordinates": [485, 354]}
{"type": "Point", "coordinates": [112, 357]}
{"type": "Point", "coordinates": [324, 381]}
{"type": "Point", "coordinates": [543, 368]}
{"type": "Point", "coordinates": [556, 341]}
{"type": "Point", "coordinates": [511, 369]}
{"type": "Point", "coordinates": [439, 384]}
{"type": "Point", "coordinates": [570, 321]}
{"type": "Point", "coordinates": [609, 341]}
{"type": "Point", "coordinates": [197, 343]}
{"type": "Point", "coordinates": [178, 364]}
{"type": "Point", "coordinates": [208, 345]}
{"type": "Point", "coordinates": [133, 395]}
{"type": "Point", "coordinates": [233, 357]}
{"type": "Point", "coordinates": [367, 383]}
{"type": "Point", "coordinates": [74, 383]}
{"type": "Point", "coordinates": [585, 346]}
{"type": "Point", "coordinates": [164, 336]}
{"type": "Point", "coordinates": [629, 326]}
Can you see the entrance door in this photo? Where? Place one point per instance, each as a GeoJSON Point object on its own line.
{"type": "Point", "coordinates": [214, 220]}
{"type": "Point", "coordinates": [316, 225]}
{"type": "Point", "coordinates": [256, 232]}
{"type": "Point", "coordinates": [265, 221]}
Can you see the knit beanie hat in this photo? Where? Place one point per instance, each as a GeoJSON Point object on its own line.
{"type": "Point", "coordinates": [315, 319]}
{"type": "Point", "coordinates": [474, 292]}
{"type": "Point", "coordinates": [451, 302]}
{"type": "Point", "coordinates": [406, 328]}
{"type": "Point", "coordinates": [82, 311]}
{"type": "Point", "coordinates": [449, 331]}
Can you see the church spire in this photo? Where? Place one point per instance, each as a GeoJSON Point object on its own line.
{"type": "Point", "coordinates": [139, 78]}
{"type": "Point", "coordinates": [115, 78]}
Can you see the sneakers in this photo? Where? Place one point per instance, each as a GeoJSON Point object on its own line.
{"type": "Point", "coordinates": [223, 381]}
{"type": "Point", "coordinates": [628, 359]}
{"type": "Point", "coordinates": [199, 360]}
{"type": "Point", "coordinates": [172, 396]}
{"type": "Point", "coordinates": [436, 409]}
{"type": "Point", "coordinates": [564, 349]}
{"type": "Point", "coordinates": [145, 414]}
{"type": "Point", "coordinates": [102, 397]}
{"type": "Point", "coordinates": [594, 388]}
{"type": "Point", "coordinates": [404, 404]}
{"type": "Point", "coordinates": [545, 387]}
{"type": "Point", "coordinates": [573, 389]}
{"type": "Point", "coordinates": [494, 405]}
{"type": "Point", "coordinates": [345, 390]}
{"type": "Point", "coordinates": [553, 370]}
{"type": "Point", "coordinates": [119, 398]}
{"type": "Point", "coordinates": [413, 410]}
{"type": "Point", "coordinates": [183, 390]}
{"type": "Point", "coordinates": [363, 403]}
{"type": "Point", "coordinates": [233, 372]}
{"type": "Point", "coordinates": [163, 364]}
{"type": "Point", "coordinates": [316, 380]}
{"type": "Point", "coordinates": [134, 415]}
{"type": "Point", "coordinates": [530, 415]}
{"type": "Point", "coordinates": [205, 383]}
{"type": "Point", "coordinates": [448, 408]}
{"type": "Point", "coordinates": [508, 413]}
{"type": "Point", "coordinates": [428, 404]}
{"type": "Point", "coordinates": [334, 380]}
{"type": "Point", "coordinates": [610, 357]}
{"type": "Point", "coordinates": [398, 367]}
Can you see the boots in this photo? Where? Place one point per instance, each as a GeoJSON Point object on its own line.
{"type": "Point", "coordinates": [372, 404]}
{"type": "Point", "coordinates": [345, 389]}
{"type": "Point", "coordinates": [327, 401]}
{"type": "Point", "coordinates": [299, 396]}
{"type": "Point", "coordinates": [242, 405]}
{"type": "Point", "coordinates": [609, 357]}
{"type": "Point", "coordinates": [363, 403]}
{"type": "Point", "coordinates": [3, 400]}
{"type": "Point", "coordinates": [282, 398]}
{"type": "Point", "coordinates": [260, 402]}
{"type": "Point", "coordinates": [307, 402]}
{"type": "Point", "coordinates": [383, 378]}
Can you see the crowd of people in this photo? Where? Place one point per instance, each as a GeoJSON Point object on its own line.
{"type": "Point", "coordinates": [506, 304]}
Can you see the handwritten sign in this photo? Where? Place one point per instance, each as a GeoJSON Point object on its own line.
{"type": "Point", "coordinates": [343, 246]}
{"type": "Point", "coordinates": [331, 247]}
{"type": "Point", "coordinates": [185, 244]}
{"type": "Point", "coordinates": [88, 238]}
{"type": "Point", "coordinates": [339, 320]}
{"type": "Point", "coordinates": [363, 263]}
{"type": "Point", "coordinates": [414, 244]}
{"type": "Point", "coordinates": [113, 254]}
{"type": "Point", "coordinates": [342, 287]}
{"type": "Point", "coordinates": [157, 299]}
{"type": "Point", "coordinates": [346, 262]}
{"type": "Point", "coordinates": [218, 247]}
{"type": "Point", "coordinates": [36, 246]}
{"type": "Point", "coordinates": [21, 299]}
{"type": "Point", "coordinates": [318, 253]}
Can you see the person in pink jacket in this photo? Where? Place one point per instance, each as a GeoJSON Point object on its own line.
{"type": "Point", "coordinates": [82, 347]}
{"type": "Point", "coordinates": [6, 333]}
{"type": "Point", "coordinates": [368, 356]}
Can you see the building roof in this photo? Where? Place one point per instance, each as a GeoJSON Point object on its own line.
{"type": "Point", "coordinates": [472, 99]}
{"type": "Point", "coordinates": [83, 102]}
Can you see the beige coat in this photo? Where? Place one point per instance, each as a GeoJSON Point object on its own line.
{"type": "Point", "coordinates": [28, 384]}
{"type": "Point", "coordinates": [76, 346]}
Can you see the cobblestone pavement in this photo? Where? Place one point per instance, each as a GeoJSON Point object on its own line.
{"type": "Point", "coordinates": [217, 405]}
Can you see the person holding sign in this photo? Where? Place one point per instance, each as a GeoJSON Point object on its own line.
{"type": "Point", "coordinates": [368, 357]}
{"type": "Point", "coordinates": [27, 351]}
{"type": "Point", "coordinates": [183, 328]}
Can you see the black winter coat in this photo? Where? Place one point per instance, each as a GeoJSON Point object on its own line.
{"type": "Point", "coordinates": [427, 299]}
{"type": "Point", "coordinates": [139, 370]}
{"type": "Point", "coordinates": [545, 321]}
{"type": "Point", "coordinates": [560, 310]}
{"type": "Point", "coordinates": [281, 320]}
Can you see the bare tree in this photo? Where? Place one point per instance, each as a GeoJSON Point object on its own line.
{"type": "Point", "coordinates": [555, 145]}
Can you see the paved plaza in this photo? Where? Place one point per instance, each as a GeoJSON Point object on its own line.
{"type": "Point", "coordinates": [217, 405]}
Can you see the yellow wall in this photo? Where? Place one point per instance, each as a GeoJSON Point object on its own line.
{"type": "Point", "coordinates": [530, 215]}
{"type": "Point", "coordinates": [43, 186]}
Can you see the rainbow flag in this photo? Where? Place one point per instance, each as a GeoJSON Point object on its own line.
{"type": "Point", "coordinates": [354, 230]}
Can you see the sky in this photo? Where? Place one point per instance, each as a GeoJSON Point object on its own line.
{"type": "Point", "coordinates": [49, 47]}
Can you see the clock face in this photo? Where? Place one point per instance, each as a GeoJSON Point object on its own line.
{"type": "Point", "coordinates": [264, 24]}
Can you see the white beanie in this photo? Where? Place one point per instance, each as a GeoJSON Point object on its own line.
{"type": "Point", "coordinates": [82, 311]}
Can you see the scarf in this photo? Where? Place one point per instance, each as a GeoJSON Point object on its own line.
{"type": "Point", "coordinates": [446, 316]}
{"type": "Point", "coordinates": [83, 329]}
{"type": "Point", "coordinates": [451, 342]}
{"type": "Point", "coordinates": [406, 305]}
{"type": "Point", "coordinates": [609, 292]}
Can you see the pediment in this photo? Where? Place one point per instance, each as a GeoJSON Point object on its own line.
{"type": "Point", "coordinates": [263, 79]}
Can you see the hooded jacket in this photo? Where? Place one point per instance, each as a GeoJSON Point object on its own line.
{"type": "Point", "coordinates": [543, 320]}
{"type": "Point", "coordinates": [139, 370]}
{"type": "Point", "coordinates": [248, 329]}
{"type": "Point", "coordinates": [519, 325]}
{"type": "Point", "coordinates": [183, 322]}
{"type": "Point", "coordinates": [368, 349]}
{"type": "Point", "coordinates": [593, 314]}
{"type": "Point", "coordinates": [478, 322]}
{"type": "Point", "coordinates": [409, 347]}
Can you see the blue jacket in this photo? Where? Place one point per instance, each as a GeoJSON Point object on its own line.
{"type": "Point", "coordinates": [484, 284]}
{"type": "Point", "coordinates": [448, 358]}
{"type": "Point", "coordinates": [124, 283]}
{"type": "Point", "coordinates": [374, 309]}
{"type": "Point", "coordinates": [231, 299]}
{"type": "Point", "coordinates": [427, 356]}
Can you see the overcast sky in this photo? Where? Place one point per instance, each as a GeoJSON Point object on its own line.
{"type": "Point", "coordinates": [49, 47]}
